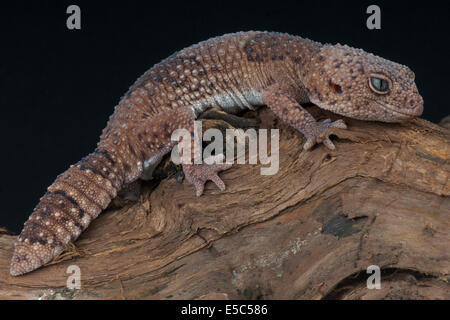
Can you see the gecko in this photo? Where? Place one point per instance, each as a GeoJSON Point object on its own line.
{"type": "Point", "coordinates": [233, 72]}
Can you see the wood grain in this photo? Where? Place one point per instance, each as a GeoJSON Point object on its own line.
{"type": "Point", "coordinates": [308, 232]}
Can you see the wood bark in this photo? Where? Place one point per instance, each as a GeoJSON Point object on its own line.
{"type": "Point", "coordinates": [308, 232]}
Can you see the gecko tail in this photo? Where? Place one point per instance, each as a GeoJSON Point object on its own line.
{"type": "Point", "coordinates": [75, 198]}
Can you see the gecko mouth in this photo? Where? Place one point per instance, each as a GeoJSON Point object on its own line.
{"type": "Point", "coordinates": [400, 114]}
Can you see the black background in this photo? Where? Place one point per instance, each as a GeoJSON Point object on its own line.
{"type": "Point", "coordinates": [59, 86]}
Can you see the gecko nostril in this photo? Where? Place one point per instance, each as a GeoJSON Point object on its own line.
{"type": "Point", "coordinates": [417, 106]}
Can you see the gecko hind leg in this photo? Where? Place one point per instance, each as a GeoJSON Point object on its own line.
{"type": "Point", "coordinates": [199, 174]}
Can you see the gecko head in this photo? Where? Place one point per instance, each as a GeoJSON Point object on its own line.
{"type": "Point", "coordinates": [357, 84]}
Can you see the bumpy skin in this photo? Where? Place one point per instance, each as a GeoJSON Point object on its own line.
{"type": "Point", "coordinates": [232, 72]}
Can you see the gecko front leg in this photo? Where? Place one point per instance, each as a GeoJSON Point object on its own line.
{"type": "Point", "coordinates": [290, 111]}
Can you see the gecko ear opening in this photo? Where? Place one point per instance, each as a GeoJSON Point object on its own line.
{"type": "Point", "coordinates": [336, 88]}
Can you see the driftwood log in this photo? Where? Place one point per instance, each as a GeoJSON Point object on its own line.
{"type": "Point", "coordinates": [308, 232]}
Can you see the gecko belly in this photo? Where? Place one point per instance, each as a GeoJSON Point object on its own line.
{"type": "Point", "coordinates": [230, 103]}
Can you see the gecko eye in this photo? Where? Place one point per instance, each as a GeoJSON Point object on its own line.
{"type": "Point", "coordinates": [379, 85]}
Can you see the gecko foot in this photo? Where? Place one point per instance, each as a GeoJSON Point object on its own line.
{"type": "Point", "coordinates": [319, 133]}
{"type": "Point", "coordinates": [198, 174]}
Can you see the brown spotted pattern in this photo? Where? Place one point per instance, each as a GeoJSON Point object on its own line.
{"type": "Point", "coordinates": [338, 80]}
{"type": "Point", "coordinates": [70, 204]}
{"type": "Point", "coordinates": [232, 72]}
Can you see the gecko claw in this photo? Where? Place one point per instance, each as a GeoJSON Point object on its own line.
{"type": "Point", "coordinates": [199, 187]}
{"type": "Point", "coordinates": [199, 174]}
{"type": "Point", "coordinates": [320, 133]}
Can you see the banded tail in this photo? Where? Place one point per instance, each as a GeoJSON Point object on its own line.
{"type": "Point", "coordinates": [75, 198]}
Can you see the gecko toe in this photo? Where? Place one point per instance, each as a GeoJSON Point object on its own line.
{"type": "Point", "coordinates": [310, 142]}
{"type": "Point", "coordinates": [199, 187]}
{"type": "Point", "coordinates": [219, 183]}
{"type": "Point", "coordinates": [338, 124]}
{"type": "Point", "coordinates": [330, 145]}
